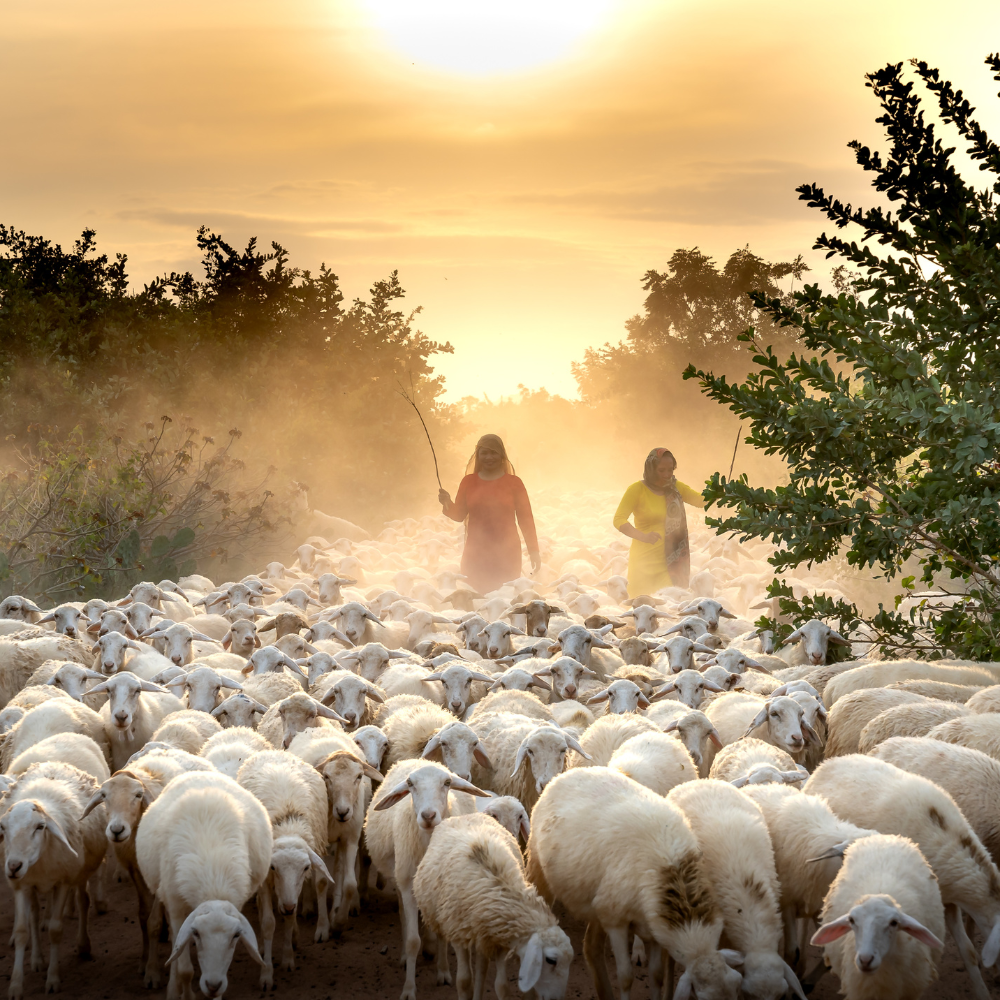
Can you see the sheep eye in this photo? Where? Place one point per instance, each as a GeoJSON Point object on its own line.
{"type": "Point", "coordinates": [41, 826]}
{"type": "Point", "coordinates": [447, 783]}
{"type": "Point", "coordinates": [272, 867]}
{"type": "Point", "coordinates": [551, 961]}
{"type": "Point", "coordinates": [138, 795]}
{"type": "Point", "coordinates": [531, 753]}
{"type": "Point", "coordinates": [893, 923]}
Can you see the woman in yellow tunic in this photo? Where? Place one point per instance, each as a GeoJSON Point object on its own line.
{"type": "Point", "coordinates": [659, 556]}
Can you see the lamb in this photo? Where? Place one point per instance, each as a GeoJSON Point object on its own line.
{"type": "Point", "coordinates": [709, 611]}
{"type": "Point", "coordinates": [525, 755]}
{"type": "Point", "coordinates": [519, 679]}
{"type": "Point", "coordinates": [204, 687]}
{"type": "Point", "coordinates": [971, 778]}
{"type": "Point", "coordinates": [881, 674]}
{"type": "Point", "coordinates": [287, 718]}
{"type": "Point", "coordinates": [186, 730]}
{"type": "Point", "coordinates": [733, 763]}
{"type": "Point", "coordinates": [397, 840]}
{"type": "Point", "coordinates": [49, 847]}
{"type": "Point", "coordinates": [204, 848]}
{"type": "Point", "coordinates": [916, 719]}
{"type": "Point", "coordinates": [884, 887]}
{"type": "Point", "coordinates": [978, 732]}
{"type": "Point", "coordinates": [134, 710]}
{"type": "Point", "coordinates": [75, 680]}
{"type": "Point", "coordinates": [622, 696]}
{"type": "Point", "coordinates": [673, 909]}
{"type": "Point", "coordinates": [67, 618]}
{"type": "Point", "coordinates": [508, 812]}
{"type": "Point", "coordinates": [371, 660]}
{"type": "Point", "coordinates": [60, 715]}
{"type": "Point", "coordinates": [809, 841]}
{"type": "Point", "coordinates": [427, 729]}
{"type": "Point", "coordinates": [295, 799]}
{"type": "Point", "coordinates": [680, 652]}
{"type": "Point", "coordinates": [357, 622]}
{"type": "Point", "coordinates": [606, 735]}
{"type": "Point", "coordinates": [647, 617]}
{"type": "Point", "coordinates": [473, 858]}
{"type": "Point", "coordinates": [876, 795]}
{"type": "Point", "coordinates": [241, 638]}
{"type": "Point", "coordinates": [354, 699]}
{"type": "Point", "coordinates": [348, 778]}
{"type": "Point", "coordinates": [238, 710]}
{"type": "Point", "coordinates": [226, 751]}
{"type": "Point", "coordinates": [655, 760]}
{"type": "Point", "coordinates": [580, 643]}
{"type": "Point", "coordinates": [852, 713]}
{"type": "Point", "coordinates": [739, 861]}
{"type": "Point", "coordinates": [125, 796]}
{"type": "Point", "coordinates": [537, 614]}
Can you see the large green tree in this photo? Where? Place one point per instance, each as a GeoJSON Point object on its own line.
{"type": "Point", "coordinates": [889, 420]}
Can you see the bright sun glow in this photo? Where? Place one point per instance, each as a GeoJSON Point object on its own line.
{"type": "Point", "coordinates": [480, 37]}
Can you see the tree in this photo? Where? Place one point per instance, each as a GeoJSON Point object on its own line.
{"type": "Point", "coordinates": [890, 422]}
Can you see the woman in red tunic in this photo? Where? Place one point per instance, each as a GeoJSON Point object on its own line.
{"type": "Point", "coordinates": [489, 498]}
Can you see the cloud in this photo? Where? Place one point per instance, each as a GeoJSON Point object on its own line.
{"type": "Point", "coordinates": [214, 218]}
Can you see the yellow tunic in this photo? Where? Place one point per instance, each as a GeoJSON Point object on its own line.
{"type": "Point", "coordinates": [647, 563]}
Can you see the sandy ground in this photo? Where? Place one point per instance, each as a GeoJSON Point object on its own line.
{"type": "Point", "coordinates": [362, 964]}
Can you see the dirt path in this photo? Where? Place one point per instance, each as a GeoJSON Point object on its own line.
{"type": "Point", "coordinates": [361, 965]}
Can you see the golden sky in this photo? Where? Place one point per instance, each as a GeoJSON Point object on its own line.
{"type": "Point", "coordinates": [521, 207]}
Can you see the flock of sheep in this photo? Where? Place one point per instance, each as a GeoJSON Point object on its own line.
{"type": "Point", "coordinates": [361, 722]}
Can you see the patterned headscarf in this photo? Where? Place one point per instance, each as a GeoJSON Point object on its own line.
{"type": "Point", "coordinates": [649, 470]}
{"type": "Point", "coordinates": [489, 441]}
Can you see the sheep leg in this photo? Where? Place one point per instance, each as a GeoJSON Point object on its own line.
{"type": "Point", "coordinates": [82, 933]}
{"type": "Point", "coordinates": [593, 952]}
{"type": "Point", "coordinates": [791, 944]}
{"type": "Point", "coordinates": [338, 883]}
{"type": "Point", "coordinates": [59, 895]}
{"type": "Point", "coordinates": [443, 968]}
{"type": "Point", "coordinates": [463, 975]}
{"type": "Point", "coordinates": [500, 984]}
{"type": "Point", "coordinates": [411, 939]}
{"type": "Point", "coordinates": [322, 911]}
{"type": "Point", "coordinates": [182, 970]}
{"type": "Point", "coordinates": [618, 936]}
{"type": "Point", "coordinates": [97, 886]}
{"type": "Point", "coordinates": [267, 922]}
{"type": "Point", "coordinates": [22, 921]}
{"type": "Point", "coordinates": [638, 951]}
{"type": "Point", "coordinates": [289, 921]}
{"type": "Point", "coordinates": [347, 883]}
{"type": "Point", "coordinates": [955, 924]}
{"type": "Point", "coordinates": [154, 922]}
{"type": "Point", "coordinates": [655, 971]}
{"type": "Point", "coordinates": [668, 979]}
{"type": "Point", "coordinates": [34, 909]}
{"type": "Point", "coordinates": [482, 966]}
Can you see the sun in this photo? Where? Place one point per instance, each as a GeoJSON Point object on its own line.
{"type": "Point", "coordinates": [485, 37]}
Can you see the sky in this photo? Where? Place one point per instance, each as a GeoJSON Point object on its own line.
{"type": "Point", "coordinates": [521, 163]}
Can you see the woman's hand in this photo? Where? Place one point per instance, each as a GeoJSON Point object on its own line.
{"type": "Point", "coordinates": [536, 561]}
{"type": "Point", "coordinates": [649, 537]}
{"type": "Point", "coordinates": [444, 498]}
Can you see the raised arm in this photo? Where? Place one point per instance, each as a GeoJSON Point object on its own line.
{"type": "Point", "coordinates": [690, 496]}
{"type": "Point", "coordinates": [526, 522]}
{"type": "Point", "coordinates": [457, 509]}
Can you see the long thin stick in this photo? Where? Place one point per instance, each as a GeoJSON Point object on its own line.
{"type": "Point", "coordinates": [735, 446]}
{"type": "Point", "coordinates": [405, 396]}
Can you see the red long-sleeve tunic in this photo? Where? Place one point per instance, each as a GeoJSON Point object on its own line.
{"type": "Point", "coordinates": [492, 553]}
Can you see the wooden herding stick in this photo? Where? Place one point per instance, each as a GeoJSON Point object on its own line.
{"type": "Point", "coordinates": [409, 399]}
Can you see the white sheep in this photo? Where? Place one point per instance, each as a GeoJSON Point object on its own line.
{"type": "Point", "coordinates": [362, 627]}
{"type": "Point", "coordinates": [49, 847]}
{"type": "Point", "coordinates": [226, 751]}
{"type": "Point", "coordinates": [204, 848]}
{"type": "Point", "coordinates": [739, 863]}
{"type": "Point", "coordinates": [735, 761]}
{"type": "Point", "coordinates": [691, 687]}
{"type": "Point", "coordinates": [268, 688]}
{"type": "Point", "coordinates": [657, 889]}
{"type": "Point", "coordinates": [238, 710]}
{"type": "Point", "coordinates": [471, 859]}
{"type": "Point", "coordinates": [694, 729]}
{"type": "Point", "coordinates": [67, 618]}
{"type": "Point", "coordinates": [779, 721]}
{"type": "Point", "coordinates": [204, 686]}
{"type": "Point", "coordinates": [425, 730]}
{"type": "Point", "coordinates": [851, 714]}
{"type": "Point", "coordinates": [77, 749]}
{"type": "Point", "coordinates": [134, 710]}
{"type": "Point", "coordinates": [878, 796]}
{"type": "Point", "coordinates": [373, 744]}
{"type": "Point", "coordinates": [978, 732]}
{"type": "Point", "coordinates": [19, 658]}
{"type": "Point", "coordinates": [916, 719]}
{"type": "Point", "coordinates": [60, 715]}
{"type": "Point", "coordinates": [568, 676]}
{"type": "Point", "coordinates": [456, 680]}
{"type": "Point", "coordinates": [810, 642]}
{"type": "Point", "coordinates": [590, 648]}
{"type": "Point", "coordinates": [881, 674]}
{"type": "Point", "coordinates": [186, 730]}
{"type": "Point", "coordinates": [397, 839]}
{"type": "Point", "coordinates": [352, 697]}
{"type": "Point", "coordinates": [295, 799]}
{"type": "Point", "coordinates": [655, 760]}
{"type": "Point", "coordinates": [884, 887]}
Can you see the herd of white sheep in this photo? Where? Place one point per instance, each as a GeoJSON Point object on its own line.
{"type": "Point", "coordinates": [280, 749]}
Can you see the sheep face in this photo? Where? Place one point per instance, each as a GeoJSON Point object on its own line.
{"type": "Point", "coordinates": [495, 641]}
{"type": "Point", "coordinates": [566, 673]}
{"type": "Point", "coordinates": [709, 977]}
{"type": "Point", "coordinates": [736, 661]}
{"type": "Point", "coordinates": [544, 751]}
{"type": "Point", "coordinates": [690, 628]}
{"type": "Point", "coordinates": [66, 618]}
{"type": "Point", "coordinates": [140, 616]}
{"type": "Point", "coordinates": [242, 638]}
{"type": "Point", "coordinates": [518, 679]}
{"type": "Point", "coordinates": [694, 728]}
{"type": "Point", "coordinates": [75, 680]}
{"type": "Point", "coordinates": [545, 962]}
{"type": "Point", "coordinates": [269, 659]}
{"type": "Point", "coordinates": [508, 812]}
{"type": "Point", "coordinates": [645, 617]}
{"type": "Point", "coordinates": [537, 614]}
{"type": "Point", "coordinates": [145, 593]}
{"type": "Point", "coordinates": [317, 665]}
{"type": "Point", "coordinates": [125, 799]}
{"type": "Point", "coordinates": [123, 692]}
{"type": "Point", "coordinates": [457, 680]}
{"type": "Point", "coordinates": [291, 861]}
{"type": "Point", "coordinates": [354, 619]}
{"type": "Point", "coordinates": [680, 653]}
{"type": "Point", "coordinates": [298, 598]}
{"type": "Point", "coordinates": [19, 609]}
{"type": "Point", "coordinates": [110, 649]}
{"type": "Point", "coordinates": [342, 773]}
{"type": "Point", "coordinates": [10, 717]}
{"type": "Point", "coordinates": [786, 725]}
{"type": "Point", "coordinates": [27, 831]}
{"type": "Point", "coordinates": [204, 686]}
{"type": "Point", "coordinates": [422, 624]}
{"type": "Point", "coordinates": [875, 922]}
{"type": "Point", "coordinates": [428, 788]}
{"type": "Point", "coordinates": [373, 743]}
{"type": "Point", "coordinates": [370, 660]}
{"type": "Point", "coordinates": [722, 677]}
{"type": "Point", "coordinates": [299, 712]}
{"type": "Point", "coordinates": [294, 646]}
{"type": "Point", "coordinates": [691, 688]}
{"type": "Point", "coordinates": [215, 927]}
{"type": "Point", "coordinates": [635, 652]}
{"type": "Point", "coordinates": [238, 710]}
{"type": "Point", "coordinates": [457, 746]}
{"type": "Point", "coordinates": [623, 696]}
{"type": "Point", "coordinates": [349, 696]}
{"type": "Point", "coordinates": [113, 620]}
{"type": "Point", "coordinates": [767, 977]}
{"type": "Point", "coordinates": [709, 611]}
{"type": "Point", "coordinates": [307, 556]}
{"type": "Point", "coordinates": [815, 637]}
{"type": "Point", "coordinates": [178, 640]}
{"type": "Point", "coordinates": [329, 586]}
{"type": "Point", "coordinates": [577, 642]}
{"type": "Point", "coordinates": [321, 631]}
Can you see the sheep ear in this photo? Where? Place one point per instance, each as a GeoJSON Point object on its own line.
{"type": "Point", "coordinates": [319, 866]}
{"type": "Point", "coordinates": [521, 609]}
{"type": "Point", "coordinates": [759, 719]}
{"type": "Point", "coordinates": [574, 744]}
{"type": "Point", "coordinates": [370, 692]}
{"type": "Point", "coordinates": [544, 672]}
{"type": "Point", "coordinates": [525, 827]}
{"type": "Point", "coordinates": [147, 686]}
{"type": "Point", "coordinates": [672, 726]}
{"type": "Point", "coordinates": [531, 964]}
{"type": "Point", "coordinates": [57, 831]}
{"type": "Point", "coordinates": [329, 713]}
{"type": "Point", "coordinates": [184, 937]}
{"type": "Point", "coordinates": [838, 640]}
{"type": "Point", "coordinates": [96, 627]}
{"type": "Point", "coordinates": [396, 795]}
{"type": "Point", "coordinates": [794, 637]}
{"type": "Point", "coordinates": [50, 617]}
{"type": "Point", "coordinates": [522, 751]}
{"type": "Point", "coordinates": [810, 734]}
{"type": "Point", "coordinates": [792, 981]}
{"type": "Point", "coordinates": [712, 686]}
{"type": "Point", "coordinates": [754, 665]}
{"type": "Point", "coordinates": [832, 931]}
{"type": "Point", "coordinates": [95, 800]}
{"type": "Point", "coordinates": [740, 781]}
{"type": "Point", "coordinates": [434, 677]}
{"type": "Point", "coordinates": [433, 744]}
{"type": "Point", "coordinates": [516, 631]}
{"type": "Point", "coordinates": [790, 777]}
{"type": "Point", "coordinates": [217, 711]}
{"type": "Point", "coordinates": [461, 785]}
{"type": "Point", "coordinates": [228, 682]}
{"type": "Point", "coordinates": [644, 702]}
{"type": "Point", "coordinates": [480, 756]}
{"type": "Point", "coordinates": [713, 735]}
{"type": "Point", "coordinates": [250, 939]}
{"type": "Point", "coordinates": [723, 613]}
{"type": "Point", "coordinates": [992, 946]}
{"type": "Point", "coordinates": [99, 688]}
{"type": "Point", "coordinates": [600, 696]}
{"type": "Point", "coordinates": [477, 676]}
